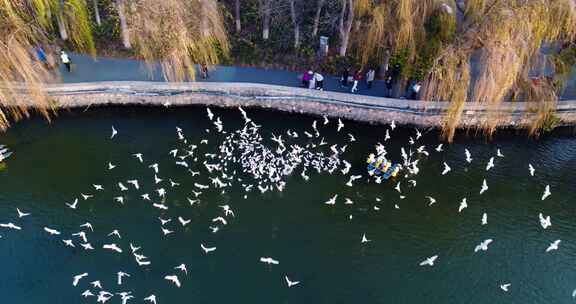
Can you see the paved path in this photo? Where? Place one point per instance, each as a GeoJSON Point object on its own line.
{"type": "Point", "coordinates": [85, 69]}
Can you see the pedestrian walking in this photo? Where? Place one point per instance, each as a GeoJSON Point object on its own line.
{"type": "Point", "coordinates": [370, 78]}
{"type": "Point", "coordinates": [312, 82]}
{"type": "Point", "coordinates": [204, 71]}
{"type": "Point", "coordinates": [306, 79]}
{"type": "Point", "coordinates": [415, 90]}
{"type": "Point", "coordinates": [319, 79]}
{"type": "Point", "coordinates": [389, 84]}
{"type": "Point", "coordinates": [356, 79]}
{"type": "Point", "coordinates": [66, 61]}
{"type": "Point", "coordinates": [344, 79]}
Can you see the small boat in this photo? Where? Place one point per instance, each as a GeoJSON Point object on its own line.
{"type": "Point", "coordinates": [383, 167]}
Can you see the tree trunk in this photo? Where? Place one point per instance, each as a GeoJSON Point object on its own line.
{"type": "Point", "coordinates": [61, 22]}
{"type": "Point", "coordinates": [295, 23]}
{"type": "Point", "coordinates": [345, 25]}
{"type": "Point", "coordinates": [317, 18]}
{"type": "Point", "coordinates": [123, 24]}
{"type": "Point", "coordinates": [266, 19]}
{"type": "Point", "coordinates": [237, 16]}
{"type": "Point", "coordinates": [97, 12]}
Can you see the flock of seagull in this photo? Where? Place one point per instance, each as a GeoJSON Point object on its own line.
{"type": "Point", "coordinates": [262, 169]}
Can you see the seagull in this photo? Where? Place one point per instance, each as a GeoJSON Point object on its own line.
{"type": "Point", "coordinates": [227, 210]}
{"type": "Point", "coordinates": [111, 166]}
{"type": "Point", "coordinates": [98, 187]}
{"type": "Point", "coordinates": [446, 169]}
{"type": "Point", "coordinates": [484, 219]}
{"type": "Point", "coordinates": [21, 214]}
{"type": "Point", "coordinates": [51, 231]}
{"type": "Point", "coordinates": [545, 222]}
{"type": "Point", "coordinates": [96, 284]}
{"type": "Point", "coordinates": [269, 261]}
{"type": "Point", "coordinates": [120, 276]}
{"type": "Point", "coordinates": [79, 277]}
{"type": "Point", "coordinates": [207, 249]}
{"type": "Point", "coordinates": [174, 279]}
{"type": "Point", "coordinates": [431, 200]}
{"type": "Point", "coordinates": [86, 196]}
{"type": "Point", "coordinates": [166, 231]}
{"type": "Point", "coordinates": [73, 205]}
{"type": "Point", "coordinates": [210, 114]}
{"type": "Point", "coordinates": [87, 246]}
{"type": "Point", "coordinates": [397, 188]}
{"type": "Point", "coordinates": [429, 261]}
{"type": "Point", "coordinates": [504, 287]}
{"type": "Point", "coordinates": [134, 248]}
{"type": "Point", "coordinates": [113, 247]}
{"type": "Point", "coordinates": [340, 125]}
{"type": "Point", "coordinates": [87, 225]}
{"type": "Point", "coordinates": [160, 206]}
{"type": "Point", "coordinates": [155, 167]}
{"type": "Point", "coordinates": [183, 221]}
{"type": "Point", "coordinates": [483, 245]}
{"type": "Point", "coordinates": [364, 239]}
{"type": "Point", "coordinates": [439, 148]}
{"type": "Point", "coordinates": [547, 192]}
{"type": "Point", "coordinates": [151, 299]}
{"type": "Point", "coordinates": [291, 283]}
{"type": "Point", "coordinates": [352, 138]}
{"type": "Point", "coordinates": [163, 221]}
{"type": "Point", "coordinates": [139, 157]}
{"type": "Point", "coordinates": [468, 156]}
{"type": "Point", "coordinates": [10, 226]}
{"type": "Point", "coordinates": [134, 183]}
{"type": "Point", "coordinates": [348, 201]}
{"type": "Point", "coordinates": [220, 219]}
{"type": "Point", "coordinates": [145, 196]}
{"type": "Point", "coordinates": [498, 153]}
{"type": "Point", "coordinates": [393, 125]}
{"type": "Point", "coordinates": [87, 293]}
{"type": "Point", "coordinates": [122, 187]}
{"type": "Point", "coordinates": [114, 132]}
{"type": "Point", "coordinates": [68, 243]}
{"type": "Point", "coordinates": [463, 205]}
{"type": "Point", "coordinates": [182, 267]}
{"type": "Point", "coordinates": [490, 164]}
{"type": "Point", "coordinates": [553, 246]}
{"type": "Point", "coordinates": [332, 201]}
{"type": "Point", "coordinates": [532, 170]}
{"type": "Point", "coordinates": [484, 187]}
{"type": "Point", "coordinates": [326, 121]}
{"type": "Point", "coordinates": [116, 233]}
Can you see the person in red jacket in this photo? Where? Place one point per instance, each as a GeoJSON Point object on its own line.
{"type": "Point", "coordinates": [357, 78]}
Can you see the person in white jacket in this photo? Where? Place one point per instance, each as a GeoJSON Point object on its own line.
{"type": "Point", "coordinates": [66, 60]}
{"type": "Point", "coordinates": [319, 80]}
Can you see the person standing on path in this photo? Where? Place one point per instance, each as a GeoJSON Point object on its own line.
{"type": "Point", "coordinates": [204, 71]}
{"type": "Point", "coordinates": [306, 79]}
{"type": "Point", "coordinates": [357, 78]}
{"type": "Point", "coordinates": [345, 75]}
{"type": "Point", "coordinates": [319, 79]}
{"type": "Point", "coordinates": [312, 81]}
{"type": "Point", "coordinates": [370, 77]}
{"type": "Point", "coordinates": [66, 61]}
{"type": "Point", "coordinates": [415, 90]}
{"type": "Point", "coordinates": [389, 84]}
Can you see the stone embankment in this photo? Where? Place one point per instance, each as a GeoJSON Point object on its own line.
{"type": "Point", "coordinates": [296, 100]}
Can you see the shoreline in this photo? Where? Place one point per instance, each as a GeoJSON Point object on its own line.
{"type": "Point", "coordinates": [370, 109]}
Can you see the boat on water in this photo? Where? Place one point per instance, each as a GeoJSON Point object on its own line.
{"type": "Point", "coordinates": [381, 166]}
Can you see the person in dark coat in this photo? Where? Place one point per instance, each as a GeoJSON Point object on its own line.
{"type": "Point", "coordinates": [345, 75]}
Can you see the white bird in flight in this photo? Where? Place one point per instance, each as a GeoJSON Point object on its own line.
{"type": "Point", "coordinates": [291, 283]}
{"type": "Point", "coordinates": [505, 287]}
{"type": "Point", "coordinates": [429, 261]}
{"type": "Point", "coordinates": [182, 267]}
{"type": "Point", "coordinates": [547, 192]}
{"type": "Point", "coordinates": [439, 148]}
{"type": "Point", "coordinates": [73, 205]}
{"type": "Point", "coordinates": [431, 200]}
{"type": "Point", "coordinates": [51, 231]}
{"type": "Point", "coordinates": [499, 153]}
{"type": "Point", "coordinates": [463, 205]}
{"type": "Point", "coordinates": [484, 187]}
{"type": "Point", "coordinates": [483, 245]}
{"type": "Point", "coordinates": [468, 156]}
{"type": "Point", "coordinates": [332, 201]}
{"type": "Point", "coordinates": [269, 261]}
{"type": "Point", "coordinates": [484, 219]}
{"type": "Point", "coordinates": [121, 275]}
{"type": "Point", "coordinates": [174, 279]}
{"type": "Point", "coordinates": [114, 132]}
{"type": "Point", "coordinates": [98, 187]}
{"type": "Point", "coordinates": [21, 214]}
{"type": "Point", "coordinates": [490, 164]}
{"type": "Point", "coordinates": [553, 246]}
{"type": "Point", "coordinates": [111, 166]}
{"type": "Point", "coordinates": [113, 247]}
{"type": "Point", "coordinates": [207, 249]}
{"type": "Point", "coordinates": [340, 125]}
{"type": "Point", "coordinates": [531, 169]}
{"type": "Point", "coordinates": [364, 239]}
{"type": "Point", "coordinates": [183, 221]}
{"type": "Point", "coordinates": [139, 157]}
{"type": "Point", "coordinates": [115, 233]}
{"type": "Point", "coordinates": [151, 299]}
{"type": "Point", "coordinates": [79, 277]}
{"type": "Point", "coordinates": [446, 169]}
{"type": "Point", "coordinates": [545, 222]}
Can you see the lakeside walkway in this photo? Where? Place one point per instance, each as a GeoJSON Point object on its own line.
{"type": "Point", "coordinates": [87, 69]}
